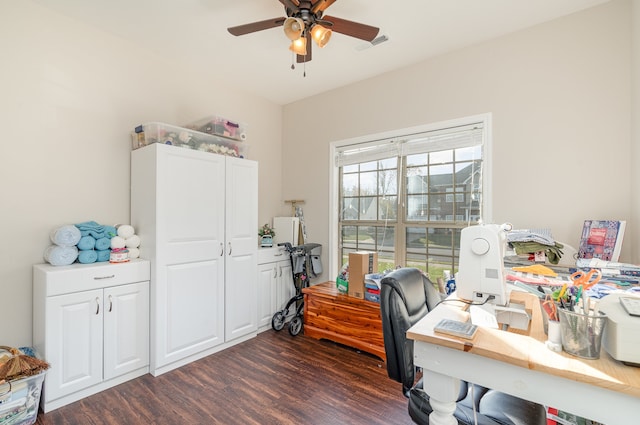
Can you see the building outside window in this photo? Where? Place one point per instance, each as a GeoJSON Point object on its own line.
{"type": "Point", "coordinates": [408, 197]}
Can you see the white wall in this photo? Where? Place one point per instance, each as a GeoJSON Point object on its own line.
{"type": "Point", "coordinates": [69, 96]}
{"type": "Point", "coordinates": [559, 94]}
{"type": "Point", "coordinates": [635, 127]}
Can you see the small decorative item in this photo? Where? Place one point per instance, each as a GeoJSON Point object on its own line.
{"type": "Point", "coordinates": [266, 234]}
{"type": "Point", "coordinates": [119, 255]}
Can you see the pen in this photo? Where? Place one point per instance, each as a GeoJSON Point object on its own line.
{"type": "Point", "coordinates": [562, 303]}
{"type": "Point", "coordinates": [579, 294]}
{"type": "Point", "coordinates": [562, 291]}
{"type": "Point", "coordinates": [585, 304]}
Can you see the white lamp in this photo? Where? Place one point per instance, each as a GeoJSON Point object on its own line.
{"type": "Point", "coordinates": [299, 46]}
{"type": "Point", "coordinates": [321, 35]}
{"type": "Point", "coordinates": [293, 28]}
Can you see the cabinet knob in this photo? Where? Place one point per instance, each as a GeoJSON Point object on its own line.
{"type": "Point", "coordinates": [97, 306]}
{"type": "Point", "coordinates": [104, 277]}
{"type": "Point", "coordinates": [221, 249]}
{"type": "Point", "coordinates": [110, 303]}
{"type": "Point", "coordinates": [230, 249]}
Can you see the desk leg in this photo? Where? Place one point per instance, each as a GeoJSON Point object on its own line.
{"type": "Point", "coordinates": [443, 393]}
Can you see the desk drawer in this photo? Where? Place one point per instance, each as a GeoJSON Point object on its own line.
{"type": "Point", "coordinates": [271, 255]}
{"type": "Point", "coordinates": [58, 280]}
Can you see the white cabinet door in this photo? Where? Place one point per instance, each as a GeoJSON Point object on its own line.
{"type": "Point", "coordinates": [74, 342]}
{"type": "Point", "coordinates": [241, 248]}
{"type": "Point", "coordinates": [126, 329]}
{"type": "Point", "coordinates": [189, 297]}
{"type": "Point", "coordinates": [195, 309]}
{"type": "Point", "coordinates": [267, 279]}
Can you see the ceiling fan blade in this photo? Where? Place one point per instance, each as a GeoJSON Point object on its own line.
{"type": "Point", "coordinates": [321, 5]}
{"type": "Point", "coordinates": [256, 26]}
{"type": "Point", "coordinates": [352, 29]}
{"type": "Point", "coordinates": [291, 5]}
{"type": "Point", "coordinates": [307, 57]}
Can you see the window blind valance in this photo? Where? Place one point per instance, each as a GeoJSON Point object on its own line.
{"type": "Point", "coordinates": [432, 141]}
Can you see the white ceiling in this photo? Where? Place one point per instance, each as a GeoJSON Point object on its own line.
{"type": "Point", "coordinates": [194, 31]}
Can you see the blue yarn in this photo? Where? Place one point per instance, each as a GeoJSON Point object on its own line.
{"type": "Point", "coordinates": [102, 244]}
{"type": "Point", "coordinates": [103, 255]}
{"type": "Point", "coordinates": [86, 243]}
{"type": "Point", "coordinates": [87, 257]}
{"type": "Point", "coordinates": [109, 231]}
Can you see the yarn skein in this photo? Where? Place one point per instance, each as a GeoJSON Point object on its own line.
{"type": "Point", "coordinates": [118, 242]}
{"type": "Point", "coordinates": [134, 253]}
{"type": "Point", "coordinates": [133, 241]}
{"type": "Point", "coordinates": [125, 231]}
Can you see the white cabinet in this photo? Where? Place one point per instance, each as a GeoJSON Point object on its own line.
{"type": "Point", "coordinates": [275, 283]}
{"type": "Point", "coordinates": [91, 323]}
{"type": "Point", "coordinates": [197, 214]}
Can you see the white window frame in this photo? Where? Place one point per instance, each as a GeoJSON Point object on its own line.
{"type": "Point", "coordinates": [485, 119]}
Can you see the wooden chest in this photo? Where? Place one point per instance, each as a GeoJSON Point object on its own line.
{"type": "Point", "coordinates": [343, 319]}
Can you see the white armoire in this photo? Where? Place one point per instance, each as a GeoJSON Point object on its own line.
{"type": "Point", "coordinates": [197, 216]}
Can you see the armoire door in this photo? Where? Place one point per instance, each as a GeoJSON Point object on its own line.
{"type": "Point", "coordinates": [190, 253]}
{"type": "Point", "coordinates": [241, 247]}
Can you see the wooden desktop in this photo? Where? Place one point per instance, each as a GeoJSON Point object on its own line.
{"type": "Point", "coordinates": [518, 363]}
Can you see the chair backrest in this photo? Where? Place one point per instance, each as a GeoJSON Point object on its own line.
{"type": "Point", "coordinates": [406, 297]}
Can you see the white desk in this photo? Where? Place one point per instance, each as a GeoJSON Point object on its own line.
{"type": "Point", "coordinates": [518, 363]}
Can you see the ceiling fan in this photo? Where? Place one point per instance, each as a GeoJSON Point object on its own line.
{"type": "Point", "coordinates": [305, 20]}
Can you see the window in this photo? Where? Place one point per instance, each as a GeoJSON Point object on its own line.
{"type": "Point", "coordinates": [408, 197]}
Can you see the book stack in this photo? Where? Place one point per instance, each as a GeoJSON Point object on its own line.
{"type": "Point", "coordinates": [372, 287]}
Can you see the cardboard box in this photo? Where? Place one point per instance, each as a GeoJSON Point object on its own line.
{"type": "Point", "coordinates": [360, 264]}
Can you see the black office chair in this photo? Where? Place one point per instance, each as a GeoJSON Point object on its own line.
{"type": "Point", "coordinates": [406, 297]}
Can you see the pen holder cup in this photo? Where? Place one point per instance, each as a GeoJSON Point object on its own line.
{"type": "Point", "coordinates": [582, 333]}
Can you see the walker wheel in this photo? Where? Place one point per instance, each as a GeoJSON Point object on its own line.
{"type": "Point", "coordinates": [295, 326]}
{"type": "Point", "coordinates": [277, 322]}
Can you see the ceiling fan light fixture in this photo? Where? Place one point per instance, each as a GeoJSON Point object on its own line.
{"type": "Point", "coordinates": [299, 46]}
{"type": "Point", "coordinates": [293, 28]}
{"type": "Point", "coordinates": [321, 35]}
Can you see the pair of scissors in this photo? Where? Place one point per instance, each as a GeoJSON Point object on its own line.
{"type": "Point", "coordinates": [550, 307]}
{"type": "Point", "coordinates": [586, 279]}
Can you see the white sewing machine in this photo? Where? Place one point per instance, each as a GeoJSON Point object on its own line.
{"type": "Point", "coordinates": [481, 276]}
{"type": "Point", "coordinates": [621, 338]}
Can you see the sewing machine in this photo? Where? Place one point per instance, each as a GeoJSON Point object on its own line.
{"type": "Point", "coordinates": [621, 338]}
{"type": "Point", "coordinates": [481, 276]}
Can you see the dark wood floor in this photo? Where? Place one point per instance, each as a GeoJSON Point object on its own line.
{"type": "Point", "coordinates": [271, 379]}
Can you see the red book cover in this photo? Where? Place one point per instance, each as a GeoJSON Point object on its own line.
{"type": "Point", "coordinates": [601, 239]}
{"type": "Point", "coordinates": [597, 236]}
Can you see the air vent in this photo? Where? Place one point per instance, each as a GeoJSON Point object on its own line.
{"type": "Point", "coordinates": [378, 40]}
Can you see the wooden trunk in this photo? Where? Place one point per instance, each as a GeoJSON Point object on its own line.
{"type": "Point", "coordinates": [343, 319]}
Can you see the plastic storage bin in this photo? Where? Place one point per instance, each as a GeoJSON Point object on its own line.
{"type": "Point", "coordinates": [156, 132]}
{"type": "Point", "coordinates": [219, 126]}
{"type": "Point", "coordinates": [19, 400]}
